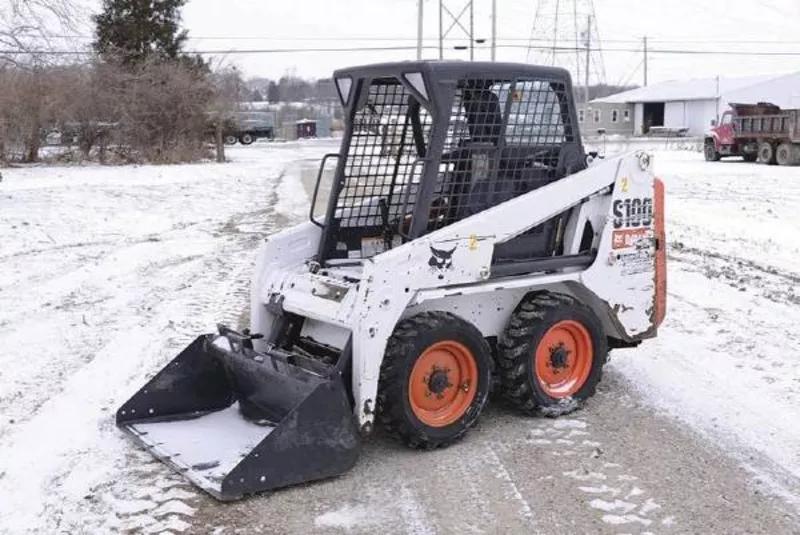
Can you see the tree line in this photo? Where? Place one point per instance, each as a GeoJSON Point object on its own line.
{"type": "Point", "coordinates": [139, 98]}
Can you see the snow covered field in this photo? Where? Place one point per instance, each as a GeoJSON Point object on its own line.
{"type": "Point", "coordinates": [106, 273]}
{"type": "Point", "coordinates": [728, 360]}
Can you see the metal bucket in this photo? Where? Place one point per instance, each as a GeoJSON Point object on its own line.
{"type": "Point", "coordinates": [236, 421]}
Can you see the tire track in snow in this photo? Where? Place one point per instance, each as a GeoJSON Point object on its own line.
{"type": "Point", "coordinates": [119, 369]}
{"type": "Point", "coordinates": [145, 496]}
{"type": "Point", "coordinates": [610, 492]}
{"type": "Point", "coordinates": [772, 283]}
{"type": "Point", "coordinates": [502, 473]}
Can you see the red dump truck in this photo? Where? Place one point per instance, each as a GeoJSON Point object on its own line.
{"type": "Point", "coordinates": [760, 132]}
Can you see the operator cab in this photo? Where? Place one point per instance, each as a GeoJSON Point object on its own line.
{"type": "Point", "coordinates": [430, 143]}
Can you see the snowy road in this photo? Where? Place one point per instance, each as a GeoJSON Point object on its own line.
{"type": "Point", "coordinates": [106, 273]}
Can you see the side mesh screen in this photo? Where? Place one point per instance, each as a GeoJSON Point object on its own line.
{"type": "Point", "coordinates": [505, 138]}
{"type": "Point", "coordinates": [391, 131]}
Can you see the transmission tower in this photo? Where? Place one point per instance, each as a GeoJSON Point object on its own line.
{"type": "Point", "coordinates": [457, 29]}
{"type": "Point", "coordinates": [565, 34]}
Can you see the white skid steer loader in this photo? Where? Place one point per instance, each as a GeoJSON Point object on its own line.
{"type": "Point", "coordinates": [468, 246]}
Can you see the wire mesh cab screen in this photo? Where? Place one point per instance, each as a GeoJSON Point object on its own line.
{"type": "Point", "coordinates": [505, 138]}
{"type": "Point", "coordinates": [382, 170]}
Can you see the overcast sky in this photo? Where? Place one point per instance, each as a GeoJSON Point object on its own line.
{"type": "Point", "coordinates": [710, 24]}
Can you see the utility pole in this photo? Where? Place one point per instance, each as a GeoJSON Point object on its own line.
{"type": "Point", "coordinates": [420, 27]}
{"type": "Point", "coordinates": [494, 30]}
{"type": "Point", "coordinates": [441, 29]}
{"type": "Point", "coordinates": [457, 21]}
{"type": "Point", "coordinates": [472, 31]}
{"type": "Point", "coordinates": [588, 54]}
{"type": "Point", "coordinates": [645, 60]}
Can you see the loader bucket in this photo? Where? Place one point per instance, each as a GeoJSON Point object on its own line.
{"type": "Point", "coordinates": [236, 421]}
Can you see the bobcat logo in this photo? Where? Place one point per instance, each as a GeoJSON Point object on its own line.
{"type": "Point", "coordinates": [441, 259]}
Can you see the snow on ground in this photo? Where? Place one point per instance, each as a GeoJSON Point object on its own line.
{"type": "Point", "coordinates": [727, 361]}
{"type": "Point", "coordinates": [106, 273]}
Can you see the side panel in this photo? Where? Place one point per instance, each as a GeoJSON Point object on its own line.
{"type": "Point", "coordinates": [282, 251]}
{"type": "Point", "coordinates": [457, 255]}
{"type": "Point", "coordinates": [623, 275]}
{"type": "Point", "coordinates": [488, 311]}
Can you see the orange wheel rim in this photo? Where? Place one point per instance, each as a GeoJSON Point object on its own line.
{"type": "Point", "coordinates": [564, 358]}
{"type": "Point", "coordinates": [443, 383]}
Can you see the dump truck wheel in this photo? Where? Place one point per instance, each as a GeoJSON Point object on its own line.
{"type": "Point", "coordinates": [434, 380]}
{"type": "Point", "coordinates": [766, 153]}
{"type": "Point", "coordinates": [553, 350]}
{"type": "Point", "coordinates": [785, 154]}
{"type": "Point", "coordinates": [710, 152]}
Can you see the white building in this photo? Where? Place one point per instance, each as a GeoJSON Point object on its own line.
{"type": "Point", "coordinates": [689, 104]}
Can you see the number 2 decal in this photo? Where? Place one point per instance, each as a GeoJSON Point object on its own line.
{"type": "Point", "coordinates": [624, 184]}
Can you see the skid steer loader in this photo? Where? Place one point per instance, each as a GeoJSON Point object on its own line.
{"type": "Point", "coordinates": [467, 246]}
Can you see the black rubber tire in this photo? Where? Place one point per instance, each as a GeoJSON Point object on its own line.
{"type": "Point", "coordinates": [230, 140]}
{"type": "Point", "coordinates": [532, 318]}
{"type": "Point", "coordinates": [750, 157]}
{"type": "Point", "coordinates": [710, 152]}
{"type": "Point", "coordinates": [784, 154]}
{"type": "Point", "coordinates": [246, 139]}
{"type": "Point", "coordinates": [766, 153]}
{"type": "Point", "coordinates": [410, 339]}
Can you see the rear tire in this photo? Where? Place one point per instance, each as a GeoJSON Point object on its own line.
{"type": "Point", "coordinates": [246, 139]}
{"type": "Point", "coordinates": [785, 154]}
{"type": "Point", "coordinates": [434, 380]}
{"type": "Point", "coordinates": [552, 353]}
{"type": "Point", "coordinates": [766, 153]}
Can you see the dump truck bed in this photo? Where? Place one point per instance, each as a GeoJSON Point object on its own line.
{"type": "Point", "coordinates": [782, 125]}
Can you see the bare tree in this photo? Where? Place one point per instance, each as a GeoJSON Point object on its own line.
{"type": "Point", "coordinates": [83, 106]}
{"type": "Point", "coordinates": [228, 86]}
{"type": "Point", "coordinates": [28, 105]}
{"type": "Point", "coordinates": [28, 29]}
{"type": "Point", "coordinates": [159, 110]}
{"type": "Point", "coordinates": [28, 32]}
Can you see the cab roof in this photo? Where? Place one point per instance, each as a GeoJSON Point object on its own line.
{"type": "Point", "coordinates": [449, 70]}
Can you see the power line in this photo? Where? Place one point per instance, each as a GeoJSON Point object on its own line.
{"type": "Point", "coordinates": [234, 51]}
{"type": "Point", "coordinates": [435, 39]}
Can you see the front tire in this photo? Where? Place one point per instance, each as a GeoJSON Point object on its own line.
{"type": "Point", "coordinates": [710, 152]}
{"type": "Point", "coordinates": [434, 380]}
{"type": "Point", "coordinates": [553, 351]}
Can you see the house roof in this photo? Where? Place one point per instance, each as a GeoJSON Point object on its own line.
{"type": "Point", "coordinates": [694, 89]}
